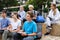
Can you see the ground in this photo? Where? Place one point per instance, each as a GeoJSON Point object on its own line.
{"type": "Point", "coordinates": [49, 37]}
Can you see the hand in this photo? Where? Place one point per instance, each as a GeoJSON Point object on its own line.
{"type": "Point", "coordinates": [10, 30]}
{"type": "Point", "coordinates": [7, 28]}
{"type": "Point", "coordinates": [21, 31]}
{"type": "Point", "coordinates": [23, 34]}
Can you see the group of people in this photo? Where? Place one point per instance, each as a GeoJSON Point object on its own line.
{"type": "Point", "coordinates": [28, 30]}
{"type": "Point", "coordinates": [13, 26]}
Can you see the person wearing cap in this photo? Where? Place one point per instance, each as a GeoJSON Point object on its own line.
{"type": "Point", "coordinates": [31, 8]}
{"type": "Point", "coordinates": [4, 22]}
{"type": "Point", "coordinates": [53, 16]}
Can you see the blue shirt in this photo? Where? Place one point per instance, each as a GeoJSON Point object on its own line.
{"type": "Point", "coordinates": [30, 27]}
{"type": "Point", "coordinates": [4, 23]}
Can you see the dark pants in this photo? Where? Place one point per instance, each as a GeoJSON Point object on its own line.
{"type": "Point", "coordinates": [18, 36]}
{"type": "Point", "coordinates": [1, 31]}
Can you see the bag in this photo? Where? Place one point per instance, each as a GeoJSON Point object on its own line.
{"type": "Point", "coordinates": [40, 19]}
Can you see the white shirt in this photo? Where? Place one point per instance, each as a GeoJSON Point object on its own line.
{"type": "Point", "coordinates": [16, 24]}
{"type": "Point", "coordinates": [22, 14]}
{"type": "Point", "coordinates": [55, 18]}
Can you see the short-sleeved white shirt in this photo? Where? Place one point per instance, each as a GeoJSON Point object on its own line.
{"type": "Point", "coordinates": [16, 24]}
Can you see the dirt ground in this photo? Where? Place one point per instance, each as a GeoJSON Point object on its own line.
{"type": "Point", "coordinates": [49, 37]}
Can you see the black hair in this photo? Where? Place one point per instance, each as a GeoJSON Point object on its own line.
{"type": "Point", "coordinates": [4, 11]}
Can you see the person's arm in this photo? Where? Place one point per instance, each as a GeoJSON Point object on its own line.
{"type": "Point", "coordinates": [50, 13]}
{"type": "Point", "coordinates": [24, 34]}
{"type": "Point", "coordinates": [4, 28]}
{"type": "Point", "coordinates": [57, 18]}
{"type": "Point", "coordinates": [33, 34]}
{"type": "Point", "coordinates": [17, 30]}
{"type": "Point", "coordinates": [9, 28]}
{"type": "Point", "coordinates": [8, 24]}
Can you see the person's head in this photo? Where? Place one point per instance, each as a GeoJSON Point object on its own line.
{"type": "Point", "coordinates": [3, 13]}
{"type": "Point", "coordinates": [31, 7]}
{"type": "Point", "coordinates": [53, 6]}
{"type": "Point", "coordinates": [29, 16]}
{"type": "Point", "coordinates": [21, 8]}
{"type": "Point", "coordinates": [15, 15]}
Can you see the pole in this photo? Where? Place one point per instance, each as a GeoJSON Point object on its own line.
{"type": "Point", "coordinates": [42, 10]}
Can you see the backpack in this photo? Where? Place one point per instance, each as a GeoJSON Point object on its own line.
{"type": "Point", "coordinates": [39, 18]}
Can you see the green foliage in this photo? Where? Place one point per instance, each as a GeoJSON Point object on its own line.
{"type": "Point", "coordinates": [45, 10]}
{"type": "Point", "coordinates": [58, 8]}
{"type": "Point", "coordinates": [1, 5]}
{"type": "Point", "coordinates": [38, 3]}
{"type": "Point", "coordinates": [26, 8]}
{"type": "Point", "coordinates": [8, 3]}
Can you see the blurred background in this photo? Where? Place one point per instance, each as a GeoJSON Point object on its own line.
{"type": "Point", "coordinates": [40, 5]}
{"type": "Point", "coordinates": [43, 6]}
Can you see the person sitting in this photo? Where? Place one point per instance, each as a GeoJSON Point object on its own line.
{"type": "Point", "coordinates": [34, 12]}
{"type": "Point", "coordinates": [4, 22]}
{"type": "Point", "coordinates": [21, 13]}
{"type": "Point", "coordinates": [13, 28]}
{"type": "Point", "coordinates": [29, 29]}
{"type": "Point", "coordinates": [53, 16]}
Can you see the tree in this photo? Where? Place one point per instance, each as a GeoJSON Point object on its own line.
{"type": "Point", "coordinates": [1, 5]}
{"type": "Point", "coordinates": [37, 3]}
{"type": "Point", "coordinates": [8, 3]}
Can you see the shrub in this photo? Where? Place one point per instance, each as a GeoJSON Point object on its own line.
{"type": "Point", "coordinates": [45, 10]}
{"type": "Point", "coordinates": [58, 8]}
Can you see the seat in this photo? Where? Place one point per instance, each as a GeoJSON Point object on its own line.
{"type": "Point", "coordinates": [39, 31]}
